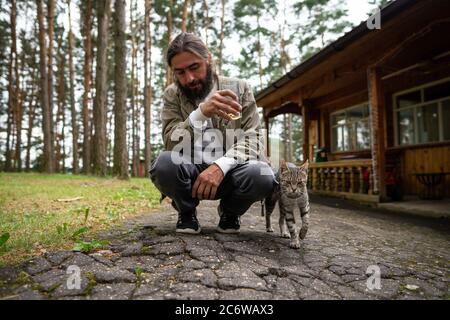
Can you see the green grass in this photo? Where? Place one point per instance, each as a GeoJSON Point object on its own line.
{"type": "Point", "coordinates": [37, 222]}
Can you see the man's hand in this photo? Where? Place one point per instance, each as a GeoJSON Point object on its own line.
{"type": "Point", "coordinates": [222, 103]}
{"type": "Point", "coordinates": [205, 187]}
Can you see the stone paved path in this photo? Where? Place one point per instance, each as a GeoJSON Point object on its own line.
{"type": "Point", "coordinates": [146, 259]}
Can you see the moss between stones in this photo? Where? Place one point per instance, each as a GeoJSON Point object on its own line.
{"type": "Point", "coordinates": [23, 278]}
{"type": "Point", "coordinates": [91, 284]}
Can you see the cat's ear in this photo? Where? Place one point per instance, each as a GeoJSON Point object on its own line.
{"type": "Point", "coordinates": [305, 165]}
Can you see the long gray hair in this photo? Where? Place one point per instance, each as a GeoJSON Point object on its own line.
{"type": "Point", "coordinates": [186, 42]}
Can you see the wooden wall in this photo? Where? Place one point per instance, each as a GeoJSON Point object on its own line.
{"type": "Point", "coordinates": [426, 159]}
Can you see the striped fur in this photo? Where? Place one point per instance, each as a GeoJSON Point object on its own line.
{"type": "Point", "coordinates": [290, 193]}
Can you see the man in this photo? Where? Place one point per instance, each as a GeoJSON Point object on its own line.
{"type": "Point", "coordinates": [213, 147]}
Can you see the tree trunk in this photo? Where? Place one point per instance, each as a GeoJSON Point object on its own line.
{"type": "Point", "coordinates": [134, 165]}
{"type": "Point", "coordinates": [205, 7]}
{"type": "Point", "coordinates": [103, 12]}
{"type": "Point", "coordinates": [147, 84]}
{"type": "Point", "coordinates": [60, 98]}
{"type": "Point", "coordinates": [21, 96]}
{"type": "Point", "coordinates": [184, 15]}
{"type": "Point", "coordinates": [193, 18]}
{"type": "Point", "coordinates": [31, 114]}
{"type": "Point", "coordinates": [31, 106]}
{"type": "Point", "coordinates": [87, 85]}
{"type": "Point", "coordinates": [120, 167]}
{"type": "Point", "coordinates": [51, 28]}
{"type": "Point", "coordinates": [137, 121]}
{"type": "Point", "coordinates": [284, 57]}
{"type": "Point", "coordinates": [47, 123]}
{"type": "Point", "coordinates": [260, 69]}
{"type": "Point", "coordinates": [169, 22]}
{"type": "Point", "coordinates": [13, 89]}
{"type": "Point", "coordinates": [222, 35]}
{"type": "Point", "coordinates": [72, 98]}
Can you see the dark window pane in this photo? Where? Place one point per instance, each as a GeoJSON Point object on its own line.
{"type": "Point", "coordinates": [446, 119]}
{"type": "Point", "coordinates": [409, 99]}
{"type": "Point", "coordinates": [428, 123]}
{"type": "Point", "coordinates": [355, 114]}
{"type": "Point", "coordinates": [406, 127]}
{"type": "Point", "coordinates": [338, 119]}
{"type": "Point", "coordinates": [437, 92]}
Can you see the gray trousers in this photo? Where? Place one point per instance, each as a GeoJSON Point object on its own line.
{"type": "Point", "coordinates": [240, 188]}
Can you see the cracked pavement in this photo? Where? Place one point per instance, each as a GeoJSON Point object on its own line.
{"type": "Point", "coordinates": [146, 259]}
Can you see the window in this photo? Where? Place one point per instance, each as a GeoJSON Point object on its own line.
{"type": "Point", "coordinates": [422, 114]}
{"type": "Point", "coordinates": [446, 115]}
{"type": "Point", "coordinates": [350, 129]}
{"type": "Point", "coordinates": [427, 123]}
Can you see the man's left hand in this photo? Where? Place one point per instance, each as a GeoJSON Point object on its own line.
{"type": "Point", "coordinates": [205, 187]}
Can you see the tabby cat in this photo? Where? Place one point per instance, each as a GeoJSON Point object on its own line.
{"type": "Point", "coordinates": [290, 192]}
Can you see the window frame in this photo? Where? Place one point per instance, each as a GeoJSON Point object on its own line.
{"type": "Point", "coordinates": [439, 102]}
{"type": "Point", "coordinates": [332, 126]}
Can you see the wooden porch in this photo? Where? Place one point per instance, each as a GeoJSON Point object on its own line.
{"type": "Point", "coordinates": [349, 179]}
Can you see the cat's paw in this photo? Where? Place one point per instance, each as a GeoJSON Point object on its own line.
{"type": "Point", "coordinates": [269, 229]}
{"type": "Point", "coordinates": [285, 235]}
{"type": "Point", "coordinates": [303, 232]}
{"type": "Point", "coordinates": [295, 244]}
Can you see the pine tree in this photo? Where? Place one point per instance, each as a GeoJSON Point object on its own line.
{"type": "Point", "coordinates": [47, 122]}
{"type": "Point", "coordinates": [72, 96]}
{"type": "Point", "coordinates": [253, 35]}
{"type": "Point", "coordinates": [148, 83]}
{"type": "Point", "coordinates": [86, 25]}
{"type": "Point", "coordinates": [323, 18]}
{"type": "Point", "coordinates": [13, 86]}
{"type": "Point", "coordinates": [60, 123]}
{"type": "Point", "coordinates": [103, 13]}
{"type": "Point", "coordinates": [120, 167]}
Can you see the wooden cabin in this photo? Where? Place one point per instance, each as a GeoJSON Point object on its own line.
{"type": "Point", "coordinates": [378, 101]}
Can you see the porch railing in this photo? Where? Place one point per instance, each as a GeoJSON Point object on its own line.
{"type": "Point", "coordinates": [352, 179]}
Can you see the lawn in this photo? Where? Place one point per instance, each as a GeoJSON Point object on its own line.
{"type": "Point", "coordinates": [41, 212]}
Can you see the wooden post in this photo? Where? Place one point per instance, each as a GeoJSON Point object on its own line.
{"type": "Point", "coordinates": [266, 123]}
{"type": "Point", "coordinates": [314, 179]}
{"type": "Point", "coordinates": [305, 114]}
{"type": "Point", "coordinates": [377, 108]}
{"type": "Point", "coordinates": [352, 180]}
{"type": "Point", "coordinates": [361, 179]}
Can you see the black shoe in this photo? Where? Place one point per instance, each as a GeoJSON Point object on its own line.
{"type": "Point", "coordinates": [188, 223]}
{"type": "Point", "coordinates": [228, 223]}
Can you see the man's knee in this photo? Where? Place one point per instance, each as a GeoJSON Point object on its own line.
{"type": "Point", "coordinates": [257, 180]}
{"type": "Point", "coordinates": [163, 168]}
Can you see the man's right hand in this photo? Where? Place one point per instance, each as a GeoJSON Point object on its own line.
{"type": "Point", "coordinates": [222, 103]}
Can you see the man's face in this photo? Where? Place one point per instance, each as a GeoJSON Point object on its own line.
{"type": "Point", "coordinates": [193, 75]}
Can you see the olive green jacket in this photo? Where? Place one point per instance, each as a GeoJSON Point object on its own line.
{"type": "Point", "coordinates": [247, 146]}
